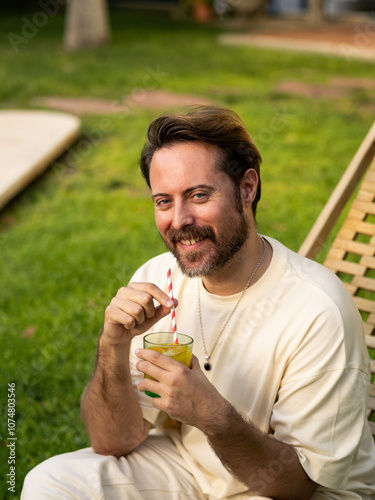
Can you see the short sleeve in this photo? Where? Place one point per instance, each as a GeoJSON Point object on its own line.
{"type": "Point", "coordinates": [323, 418]}
{"type": "Point", "coordinates": [321, 403]}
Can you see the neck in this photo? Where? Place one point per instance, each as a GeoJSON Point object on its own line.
{"type": "Point", "coordinates": [233, 277]}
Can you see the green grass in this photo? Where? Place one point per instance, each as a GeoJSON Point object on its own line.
{"type": "Point", "coordinates": [78, 233]}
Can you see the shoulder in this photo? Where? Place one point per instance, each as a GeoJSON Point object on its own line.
{"type": "Point", "coordinates": [315, 285]}
{"type": "Point", "coordinates": [318, 302]}
{"type": "Point", "coordinates": [307, 272]}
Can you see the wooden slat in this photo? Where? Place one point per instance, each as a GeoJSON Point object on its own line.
{"type": "Point", "coordinates": [359, 227]}
{"type": "Point", "coordinates": [365, 304]}
{"type": "Point", "coordinates": [364, 283]}
{"type": "Point", "coordinates": [370, 176]}
{"type": "Point", "coordinates": [367, 208]}
{"type": "Point", "coordinates": [368, 327]}
{"type": "Point", "coordinates": [346, 267]}
{"type": "Point", "coordinates": [371, 403]}
{"type": "Point", "coordinates": [368, 185]}
{"type": "Point", "coordinates": [368, 262]}
{"type": "Point", "coordinates": [370, 341]}
{"type": "Point", "coordinates": [367, 196]}
{"type": "Point", "coordinates": [335, 253]}
{"type": "Point", "coordinates": [347, 234]}
{"type": "Point", "coordinates": [357, 215]}
{"type": "Point", "coordinates": [353, 247]}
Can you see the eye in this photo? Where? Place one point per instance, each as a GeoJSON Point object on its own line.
{"type": "Point", "coordinates": [200, 196]}
{"type": "Point", "coordinates": [162, 203]}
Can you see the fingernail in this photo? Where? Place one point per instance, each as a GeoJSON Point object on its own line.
{"type": "Point", "coordinates": [170, 303]}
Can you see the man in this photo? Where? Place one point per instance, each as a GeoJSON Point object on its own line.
{"type": "Point", "coordinates": [273, 405]}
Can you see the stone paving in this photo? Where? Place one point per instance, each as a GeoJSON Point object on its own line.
{"type": "Point", "coordinates": [350, 39]}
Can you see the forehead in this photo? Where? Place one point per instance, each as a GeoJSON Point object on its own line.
{"type": "Point", "coordinates": [184, 164]}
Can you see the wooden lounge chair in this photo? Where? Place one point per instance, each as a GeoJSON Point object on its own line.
{"type": "Point", "coordinates": [352, 253]}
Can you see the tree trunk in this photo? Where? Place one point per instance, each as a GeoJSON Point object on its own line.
{"type": "Point", "coordinates": [86, 24]}
{"type": "Point", "coordinates": [316, 10]}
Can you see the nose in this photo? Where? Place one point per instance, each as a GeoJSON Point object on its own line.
{"type": "Point", "coordinates": [182, 216]}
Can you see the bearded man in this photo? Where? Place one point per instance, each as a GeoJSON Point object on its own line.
{"type": "Point", "coordinates": [273, 404]}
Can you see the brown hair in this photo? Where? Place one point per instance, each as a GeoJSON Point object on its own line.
{"type": "Point", "coordinates": [213, 125]}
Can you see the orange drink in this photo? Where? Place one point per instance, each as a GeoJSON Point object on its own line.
{"type": "Point", "coordinates": [163, 343]}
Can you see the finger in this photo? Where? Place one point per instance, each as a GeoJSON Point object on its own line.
{"type": "Point", "coordinates": [195, 362]}
{"type": "Point", "coordinates": [157, 359]}
{"type": "Point", "coordinates": [155, 293]}
{"type": "Point", "coordinates": [132, 308]}
{"type": "Point", "coordinates": [149, 385]}
{"type": "Point", "coordinates": [115, 315]}
{"type": "Point", "coordinates": [151, 370]}
{"type": "Point", "coordinates": [137, 302]}
{"type": "Point", "coordinates": [129, 296]}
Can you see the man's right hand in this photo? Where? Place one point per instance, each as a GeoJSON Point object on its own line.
{"type": "Point", "coordinates": [132, 312]}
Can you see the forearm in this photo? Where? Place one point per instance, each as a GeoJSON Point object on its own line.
{"type": "Point", "coordinates": [267, 466]}
{"type": "Point", "coordinates": [109, 406]}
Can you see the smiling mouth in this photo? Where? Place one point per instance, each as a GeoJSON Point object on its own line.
{"type": "Point", "coordinates": [192, 241]}
{"type": "Point", "coordinates": [190, 237]}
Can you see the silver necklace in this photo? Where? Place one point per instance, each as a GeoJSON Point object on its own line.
{"type": "Point", "coordinates": [207, 364]}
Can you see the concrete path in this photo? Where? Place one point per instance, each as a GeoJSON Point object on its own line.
{"type": "Point", "coordinates": [353, 39]}
{"type": "Point", "coordinates": [29, 142]}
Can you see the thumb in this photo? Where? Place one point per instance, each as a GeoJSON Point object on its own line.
{"type": "Point", "coordinates": [164, 309]}
{"type": "Point", "coordinates": [195, 362]}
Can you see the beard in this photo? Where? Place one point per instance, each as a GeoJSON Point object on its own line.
{"type": "Point", "coordinates": [223, 247]}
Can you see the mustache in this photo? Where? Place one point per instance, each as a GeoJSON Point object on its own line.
{"type": "Point", "coordinates": [191, 233]}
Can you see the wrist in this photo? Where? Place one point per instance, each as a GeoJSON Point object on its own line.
{"type": "Point", "coordinates": [219, 418]}
{"type": "Point", "coordinates": [113, 353]}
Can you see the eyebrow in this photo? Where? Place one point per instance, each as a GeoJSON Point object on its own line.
{"type": "Point", "coordinates": [187, 191]}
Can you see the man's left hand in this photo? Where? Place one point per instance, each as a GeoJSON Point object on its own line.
{"type": "Point", "coordinates": [185, 393]}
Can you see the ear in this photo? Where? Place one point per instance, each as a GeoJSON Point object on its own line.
{"type": "Point", "coordinates": [249, 186]}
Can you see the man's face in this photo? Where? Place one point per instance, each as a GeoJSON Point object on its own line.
{"type": "Point", "coordinates": [195, 208]}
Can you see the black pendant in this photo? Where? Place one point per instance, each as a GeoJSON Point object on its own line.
{"type": "Point", "coordinates": [207, 367]}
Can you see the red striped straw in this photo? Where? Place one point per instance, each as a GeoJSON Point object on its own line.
{"type": "Point", "coordinates": [173, 312]}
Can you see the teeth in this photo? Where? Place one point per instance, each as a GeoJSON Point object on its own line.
{"type": "Point", "coordinates": [190, 242]}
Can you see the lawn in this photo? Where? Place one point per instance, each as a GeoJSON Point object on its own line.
{"type": "Point", "coordinates": [80, 231]}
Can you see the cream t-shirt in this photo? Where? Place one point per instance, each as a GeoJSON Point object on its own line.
{"type": "Point", "coordinates": [292, 358]}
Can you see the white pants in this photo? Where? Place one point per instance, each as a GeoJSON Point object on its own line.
{"type": "Point", "coordinates": [153, 471]}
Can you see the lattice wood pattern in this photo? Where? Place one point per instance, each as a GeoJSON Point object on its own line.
{"type": "Point", "coordinates": [352, 258]}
